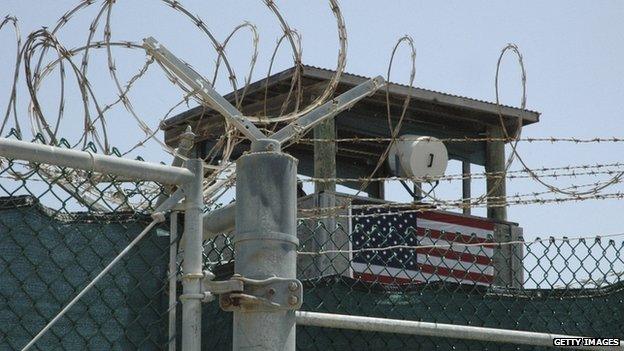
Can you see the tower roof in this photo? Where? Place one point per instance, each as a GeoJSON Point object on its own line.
{"type": "Point", "coordinates": [429, 113]}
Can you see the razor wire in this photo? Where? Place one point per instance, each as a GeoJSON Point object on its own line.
{"type": "Point", "coordinates": [556, 264]}
{"type": "Point", "coordinates": [32, 55]}
{"type": "Point", "coordinates": [515, 154]}
{"type": "Point", "coordinates": [38, 44]}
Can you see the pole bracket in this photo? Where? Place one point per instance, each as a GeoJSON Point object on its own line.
{"type": "Point", "coordinates": [253, 295]}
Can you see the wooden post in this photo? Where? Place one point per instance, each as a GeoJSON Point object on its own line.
{"type": "Point", "coordinates": [417, 189]}
{"type": "Point", "coordinates": [324, 191]}
{"type": "Point", "coordinates": [466, 191]}
{"type": "Point", "coordinates": [507, 264]}
{"type": "Point", "coordinates": [325, 156]}
{"type": "Point", "coordinates": [495, 163]}
{"type": "Point", "coordinates": [376, 190]}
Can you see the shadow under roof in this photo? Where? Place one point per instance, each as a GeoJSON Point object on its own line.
{"type": "Point", "coordinates": [429, 113]}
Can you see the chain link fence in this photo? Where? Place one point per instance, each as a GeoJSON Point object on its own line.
{"type": "Point", "coordinates": [564, 286]}
{"type": "Point", "coordinates": [60, 227]}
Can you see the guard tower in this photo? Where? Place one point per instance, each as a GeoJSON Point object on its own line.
{"type": "Point", "coordinates": [429, 113]}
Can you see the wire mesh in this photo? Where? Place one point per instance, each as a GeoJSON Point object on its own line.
{"type": "Point", "coordinates": [52, 243]}
{"type": "Point", "coordinates": [375, 261]}
{"type": "Point", "coordinates": [552, 285]}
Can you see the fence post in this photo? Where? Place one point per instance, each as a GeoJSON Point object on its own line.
{"type": "Point", "coordinates": [265, 241]}
{"type": "Point", "coordinates": [173, 278]}
{"type": "Point", "coordinates": [192, 265]}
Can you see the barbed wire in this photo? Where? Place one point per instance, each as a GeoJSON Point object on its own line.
{"type": "Point", "coordinates": [394, 208]}
{"type": "Point", "coordinates": [486, 244]}
{"type": "Point", "coordinates": [570, 171]}
{"type": "Point", "coordinates": [551, 139]}
{"type": "Point", "coordinates": [394, 131]}
{"type": "Point", "coordinates": [34, 57]}
{"type": "Point", "coordinates": [515, 154]}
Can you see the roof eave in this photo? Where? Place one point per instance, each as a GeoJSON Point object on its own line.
{"type": "Point", "coordinates": [527, 116]}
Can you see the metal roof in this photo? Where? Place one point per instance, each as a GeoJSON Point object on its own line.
{"type": "Point", "coordinates": [416, 93]}
{"type": "Point", "coordinates": [429, 113]}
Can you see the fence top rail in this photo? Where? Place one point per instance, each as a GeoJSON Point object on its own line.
{"type": "Point", "coordinates": [88, 161]}
{"type": "Point", "coordinates": [372, 324]}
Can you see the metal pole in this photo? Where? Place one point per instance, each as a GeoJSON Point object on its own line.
{"type": "Point", "coordinates": [173, 278]}
{"type": "Point", "coordinates": [265, 238]}
{"type": "Point", "coordinates": [265, 242]}
{"type": "Point", "coordinates": [185, 146]}
{"type": "Point", "coordinates": [132, 169]}
{"type": "Point", "coordinates": [466, 191]}
{"type": "Point", "coordinates": [371, 324]}
{"type": "Point", "coordinates": [219, 221]}
{"type": "Point", "coordinates": [192, 264]}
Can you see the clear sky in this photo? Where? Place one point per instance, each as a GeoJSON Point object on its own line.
{"type": "Point", "coordinates": [572, 52]}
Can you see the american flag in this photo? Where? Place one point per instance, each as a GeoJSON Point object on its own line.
{"type": "Point", "coordinates": [386, 227]}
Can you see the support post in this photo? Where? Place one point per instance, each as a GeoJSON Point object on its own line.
{"type": "Point", "coordinates": [466, 184]}
{"type": "Point", "coordinates": [265, 237]}
{"type": "Point", "coordinates": [324, 168]}
{"type": "Point", "coordinates": [173, 278]}
{"type": "Point", "coordinates": [417, 189]}
{"type": "Point", "coordinates": [325, 156]}
{"type": "Point", "coordinates": [496, 210]}
{"type": "Point", "coordinates": [376, 190]}
{"type": "Point", "coordinates": [185, 146]}
{"type": "Point", "coordinates": [495, 168]}
{"type": "Point", "coordinates": [265, 243]}
{"type": "Point", "coordinates": [192, 264]}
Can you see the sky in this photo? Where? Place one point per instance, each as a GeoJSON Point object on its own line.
{"type": "Point", "coordinates": [572, 54]}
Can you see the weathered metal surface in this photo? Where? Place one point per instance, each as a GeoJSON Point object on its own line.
{"type": "Point", "coordinates": [88, 161]}
{"type": "Point", "coordinates": [265, 244]}
{"type": "Point", "coordinates": [371, 324]}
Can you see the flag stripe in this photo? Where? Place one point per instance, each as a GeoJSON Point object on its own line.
{"type": "Point", "coordinates": [447, 272]}
{"type": "Point", "coordinates": [454, 264]}
{"type": "Point", "coordinates": [473, 250]}
{"type": "Point", "coordinates": [370, 273]}
{"type": "Point", "coordinates": [455, 255]}
{"type": "Point", "coordinates": [407, 260]}
{"type": "Point", "coordinates": [456, 232]}
{"type": "Point", "coordinates": [457, 219]}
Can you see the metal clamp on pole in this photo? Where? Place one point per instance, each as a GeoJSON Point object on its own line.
{"type": "Point", "coordinates": [252, 295]}
{"type": "Point", "coordinates": [265, 295]}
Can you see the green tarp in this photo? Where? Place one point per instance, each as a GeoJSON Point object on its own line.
{"type": "Point", "coordinates": [45, 258]}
